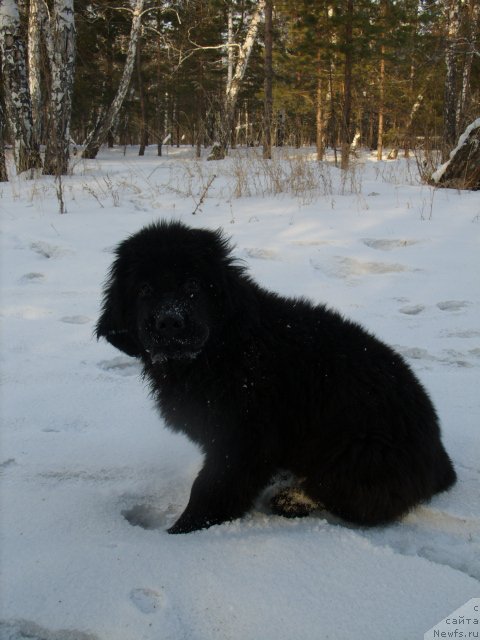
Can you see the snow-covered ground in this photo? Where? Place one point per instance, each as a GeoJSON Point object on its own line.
{"type": "Point", "coordinates": [81, 443]}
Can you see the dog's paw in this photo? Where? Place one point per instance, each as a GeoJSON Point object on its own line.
{"type": "Point", "coordinates": [292, 502]}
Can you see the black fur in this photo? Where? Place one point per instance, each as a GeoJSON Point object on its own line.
{"type": "Point", "coordinates": [265, 383]}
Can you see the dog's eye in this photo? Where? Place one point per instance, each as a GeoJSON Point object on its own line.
{"type": "Point", "coordinates": [145, 290]}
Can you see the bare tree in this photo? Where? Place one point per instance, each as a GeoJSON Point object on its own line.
{"type": "Point", "coordinates": [17, 95]}
{"type": "Point", "coordinates": [62, 61]}
{"type": "Point", "coordinates": [108, 121]}
{"type": "Point", "coordinates": [233, 85]}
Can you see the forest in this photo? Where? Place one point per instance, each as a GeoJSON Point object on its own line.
{"type": "Point", "coordinates": [395, 76]}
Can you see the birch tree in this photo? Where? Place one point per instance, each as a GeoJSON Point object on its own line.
{"type": "Point", "coordinates": [234, 84]}
{"type": "Point", "coordinates": [16, 91]}
{"type": "Point", "coordinates": [62, 63]}
{"type": "Point", "coordinates": [462, 169]}
{"type": "Point", "coordinates": [108, 121]}
{"type": "Point", "coordinates": [3, 164]}
{"type": "Point", "coordinates": [37, 28]}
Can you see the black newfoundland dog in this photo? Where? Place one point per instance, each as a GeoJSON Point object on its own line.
{"type": "Point", "coordinates": [264, 383]}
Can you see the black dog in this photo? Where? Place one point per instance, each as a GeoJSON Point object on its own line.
{"type": "Point", "coordinates": [265, 383]}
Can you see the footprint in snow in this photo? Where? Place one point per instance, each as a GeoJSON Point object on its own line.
{"type": "Point", "coordinates": [262, 254]}
{"type": "Point", "coordinates": [75, 319]}
{"type": "Point", "coordinates": [146, 600]}
{"type": "Point", "coordinates": [388, 245]}
{"type": "Point", "coordinates": [23, 629]}
{"type": "Point", "coordinates": [412, 309]}
{"type": "Point", "coordinates": [460, 333]}
{"type": "Point", "coordinates": [449, 357]}
{"type": "Point", "coordinates": [47, 250]}
{"type": "Point", "coordinates": [32, 277]}
{"type": "Point", "coordinates": [453, 305]}
{"type": "Point", "coordinates": [121, 365]}
{"type": "Point", "coordinates": [148, 517]}
{"type": "Point", "coordinates": [344, 267]}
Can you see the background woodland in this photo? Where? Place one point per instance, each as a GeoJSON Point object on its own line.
{"type": "Point", "coordinates": [395, 75]}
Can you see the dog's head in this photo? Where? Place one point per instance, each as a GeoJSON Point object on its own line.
{"type": "Point", "coordinates": [166, 290]}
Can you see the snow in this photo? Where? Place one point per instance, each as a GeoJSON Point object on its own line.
{"type": "Point", "coordinates": [84, 454]}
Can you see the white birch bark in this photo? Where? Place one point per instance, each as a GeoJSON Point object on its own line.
{"type": "Point", "coordinates": [62, 34]}
{"type": "Point", "coordinates": [3, 164]}
{"type": "Point", "coordinates": [234, 83]}
{"type": "Point", "coordinates": [16, 91]}
{"type": "Point", "coordinates": [37, 26]}
{"type": "Point", "coordinates": [96, 138]}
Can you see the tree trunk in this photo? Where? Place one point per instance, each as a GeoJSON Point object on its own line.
{"type": "Point", "coordinates": [464, 96]}
{"type": "Point", "coordinates": [347, 87]}
{"type": "Point", "coordinates": [462, 169]}
{"type": "Point", "coordinates": [230, 44]}
{"type": "Point", "coordinates": [159, 95]}
{"type": "Point", "coordinates": [233, 87]}
{"type": "Point", "coordinates": [141, 93]}
{"type": "Point", "coordinates": [268, 103]}
{"type": "Point", "coordinates": [3, 164]}
{"type": "Point", "coordinates": [320, 113]}
{"type": "Point", "coordinates": [450, 97]}
{"type": "Point", "coordinates": [381, 88]}
{"type": "Point", "coordinates": [16, 92]}
{"type": "Point", "coordinates": [96, 137]}
{"type": "Point", "coordinates": [381, 106]}
{"type": "Point", "coordinates": [62, 62]}
{"type": "Point", "coordinates": [37, 25]}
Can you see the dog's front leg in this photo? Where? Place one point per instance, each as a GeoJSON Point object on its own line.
{"type": "Point", "coordinates": [224, 490]}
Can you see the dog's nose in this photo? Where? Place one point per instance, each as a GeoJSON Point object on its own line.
{"type": "Point", "coordinates": [169, 323]}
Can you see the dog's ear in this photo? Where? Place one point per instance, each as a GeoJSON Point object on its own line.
{"type": "Point", "coordinates": [113, 323]}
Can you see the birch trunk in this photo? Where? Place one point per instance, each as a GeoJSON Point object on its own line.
{"type": "Point", "coordinates": [462, 169]}
{"type": "Point", "coordinates": [62, 61]}
{"type": "Point", "coordinates": [3, 164]}
{"type": "Point", "coordinates": [96, 137]}
{"type": "Point", "coordinates": [233, 87]}
{"type": "Point", "coordinates": [17, 95]}
{"type": "Point", "coordinates": [37, 25]}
